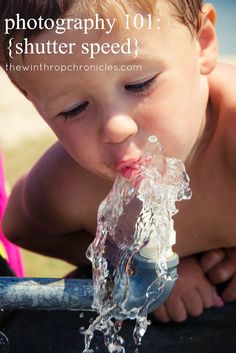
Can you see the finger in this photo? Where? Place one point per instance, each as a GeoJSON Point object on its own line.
{"type": "Point", "coordinates": [209, 295]}
{"type": "Point", "coordinates": [229, 293]}
{"type": "Point", "coordinates": [222, 272]}
{"type": "Point", "coordinates": [161, 314]}
{"type": "Point", "coordinates": [211, 258]}
{"type": "Point", "coordinates": [176, 309]}
{"type": "Point", "coordinates": [194, 303]}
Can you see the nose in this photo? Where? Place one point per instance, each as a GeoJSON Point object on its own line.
{"type": "Point", "coordinates": [118, 127]}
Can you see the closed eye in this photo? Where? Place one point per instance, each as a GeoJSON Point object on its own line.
{"type": "Point", "coordinates": [142, 86]}
{"type": "Point", "coordinates": [75, 111]}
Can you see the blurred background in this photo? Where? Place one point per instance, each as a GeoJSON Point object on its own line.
{"type": "Point", "coordinates": [226, 26]}
{"type": "Point", "coordinates": [24, 136]}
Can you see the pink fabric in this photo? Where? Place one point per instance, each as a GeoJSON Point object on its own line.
{"type": "Point", "coordinates": [12, 251]}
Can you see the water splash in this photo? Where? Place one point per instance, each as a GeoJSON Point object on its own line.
{"type": "Point", "coordinates": [135, 219]}
{"type": "Point", "coordinates": [4, 343]}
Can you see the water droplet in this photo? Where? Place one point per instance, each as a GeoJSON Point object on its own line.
{"type": "Point", "coordinates": [81, 315]}
{"type": "Point", "coordinates": [82, 330]}
{"type": "Point", "coordinates": [91, 320]}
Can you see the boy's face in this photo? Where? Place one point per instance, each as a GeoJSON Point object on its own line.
{"type": "Point", "coordinates": [112, 113]}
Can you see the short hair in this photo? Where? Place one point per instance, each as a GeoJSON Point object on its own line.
{"type": "Point", "coordinates": [185, 11]}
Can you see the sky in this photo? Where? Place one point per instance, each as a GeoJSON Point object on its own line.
{"type": "Point", "coordinates": [226, 25]}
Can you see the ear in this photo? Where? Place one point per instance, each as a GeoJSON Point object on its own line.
{"type": "Point", "coordinates": [206, 37]}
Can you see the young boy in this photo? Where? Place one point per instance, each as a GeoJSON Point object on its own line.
{"type": "Point", "coordinates": [103, 118]}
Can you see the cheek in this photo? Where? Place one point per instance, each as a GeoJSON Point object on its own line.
{"type": "Point", "coordinates": [157, 115]}
{"type": "Point", "coordinates": [83, 152]}
{"type": "Point", "coordinates": [174, 120]}
{"type": "Point", "coordinates": [71, 134]}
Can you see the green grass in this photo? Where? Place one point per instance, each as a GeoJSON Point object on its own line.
{"type": "Point", "coordinates": [17, 161]}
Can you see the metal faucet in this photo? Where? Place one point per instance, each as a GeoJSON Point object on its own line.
{"type": "Point", "coordinates": [77, 294]}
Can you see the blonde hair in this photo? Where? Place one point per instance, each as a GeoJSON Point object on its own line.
{"type": "Point", "coordinates": [185, 11]}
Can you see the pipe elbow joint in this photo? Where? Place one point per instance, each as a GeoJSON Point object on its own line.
{"type": "Point", "coordinates": [146, 291]}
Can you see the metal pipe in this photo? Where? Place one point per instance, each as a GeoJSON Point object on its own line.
{"type": "Point", "coordinates": [77, 294]}
{"type": "Point", "coordinates": [45, 294]}
{"type": "Point", "coordinates": [144, 288]}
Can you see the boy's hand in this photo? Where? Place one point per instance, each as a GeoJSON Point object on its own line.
{"type": "Point", "coordinates": [220, 266]}
{"type": "Point", "coordinates": [192, 294]}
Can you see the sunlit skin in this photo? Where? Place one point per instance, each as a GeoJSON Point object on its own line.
{"type": "Point", "coordinates": [176, 97]}
{"type": "Point", "coordinates": [117, 121]}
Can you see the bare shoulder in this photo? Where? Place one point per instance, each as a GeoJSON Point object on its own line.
{"type": "Point", "coordinates": [63, 192]}
{"type": "Point", "coordinates": [223, 94]}
{"type": "Point", "coordinates": [222, 85]}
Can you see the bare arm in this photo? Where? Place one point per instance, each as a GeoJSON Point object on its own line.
{"type": "Point", "coordinates": [52, 210]}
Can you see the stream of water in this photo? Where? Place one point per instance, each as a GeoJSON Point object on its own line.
{"type": "Point", "coordinates": [134, 220]}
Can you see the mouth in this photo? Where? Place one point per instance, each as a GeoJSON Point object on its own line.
{"type": "Point", "coordinates": [129, 169]}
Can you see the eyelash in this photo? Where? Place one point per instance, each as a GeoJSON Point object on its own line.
{"type": "Point", "coordinates": [75, 111]}
{"type": "Point", "coordinates": [138, 89]}
{"type": "Point", "coordinates": [142, 87]}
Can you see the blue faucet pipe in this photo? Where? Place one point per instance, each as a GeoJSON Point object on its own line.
{"type": "Point", "coordinates": [45, 293]}
{"type": "Point", "coordinates": [77, 294]}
